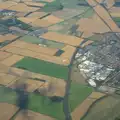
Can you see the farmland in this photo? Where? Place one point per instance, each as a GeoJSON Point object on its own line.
{"type": "Point", "coordinates": [64, 51]}
{"type": "Point", "coordinates": [43, 67]}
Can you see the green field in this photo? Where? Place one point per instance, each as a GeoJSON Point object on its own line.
{"type": "Point", "coordinates": [78, 93]}
{"type": "Point", "coordinates": [116, 19]}
{"type": "Point", "coordinates": [53, 6]}
{"type": "Point", "coordinates": [48, 43]}
{"type": "Point", "coordinates": [54, 109]}
{"type": "Point", "coordinates": [73, 4]}
{"type": "Point", "coordinates": [43, 67]}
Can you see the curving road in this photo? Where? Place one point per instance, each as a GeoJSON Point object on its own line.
{"type": "Point", "coordinates": [66, 106]}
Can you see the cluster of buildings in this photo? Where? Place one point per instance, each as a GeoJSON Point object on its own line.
{"type": "Point", "coordinates": [99, 62]}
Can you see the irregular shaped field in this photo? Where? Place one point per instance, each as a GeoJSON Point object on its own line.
{"type": "Point", "coordinates": [78, 93]}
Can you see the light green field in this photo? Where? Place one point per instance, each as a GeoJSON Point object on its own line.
{"type": "Point", "coordinates": [60, 4]}
{"type": "Point", "coordinates": [7, 95]}
{"type": "Point", "coordinates": [48, 43]}
{"type": "Point", "coordinates": [116, 19]}
{"type": "Point", "coordinates": [54, 109]}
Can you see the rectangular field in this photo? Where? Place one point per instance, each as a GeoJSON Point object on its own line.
{"type": "Point", "coordinates": [20, 51]}
{"type": "Point", "coordinates": [34, 48]}
{"type": "Point", "coordinates": [29, 53]}
{"type": "Point", "coordinates": [54, 59]}
{"type": "Point", "coordinates": [7, 37]}
{"type": "Point", "coordinates": [12, 60]}
{"type": "Point", "coordinates": [32, 84]}
{"type": "Point", "coordinates": [43, 67]}
{"type": "Point", "coordinates": [21, 7]}
{"type": "Point", "coordinates": [43, 42]}
{"type": "Point", "coordinates": [67, 39]}
{"type": "Point", "coordinates": [35, 4]}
